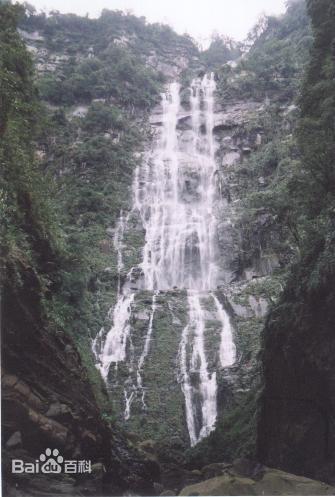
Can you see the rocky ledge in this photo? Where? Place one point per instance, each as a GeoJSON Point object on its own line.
{"type": "Point", "coordinates": [248, 478]}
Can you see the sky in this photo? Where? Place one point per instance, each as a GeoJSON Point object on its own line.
{"type": "Point", "coordinates": [200, 19]}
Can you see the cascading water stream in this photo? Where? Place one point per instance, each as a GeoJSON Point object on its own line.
{"type": "Point", "coordinates": [227, 346]}
{"type": "Point", "coordinates": [114, 349]}
{"type": "Point", "coordinates": [175, 193]}
{"type": "Point", "coordinates": [118, 245]}
{"type": "Point", "coordinates": [198, 363]}
{"type": "Point", "coordinates": [146, 349]}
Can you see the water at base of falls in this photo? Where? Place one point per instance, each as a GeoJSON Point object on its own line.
{"type": "Point", "coordinates": [175, 194]}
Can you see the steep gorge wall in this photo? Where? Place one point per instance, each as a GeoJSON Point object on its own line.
{"type": "Point", "coordinates": [48, 401]}
{"type": "Point", "coordinates": [296, 424]}
{"type": "Point", "coordinates": [251, 249]}
{"type": "Point", "coordinates": [52, 396]}
{"type": "Point", "coordinates": [240, 132]}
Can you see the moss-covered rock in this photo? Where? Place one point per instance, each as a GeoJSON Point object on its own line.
{"type": "Point", "coordinates": [272, 482]}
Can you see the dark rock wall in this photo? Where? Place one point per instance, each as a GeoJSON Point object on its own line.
{"type": "Point", "coordinates": [47, 400]}
{"type": "Point", "coordinates": [296, 429]}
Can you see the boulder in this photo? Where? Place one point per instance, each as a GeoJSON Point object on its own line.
{"type": "Point", "coordinates": [247, 467]}
{"type": "Point", "coordinates": [58, 410]}
{"type": "Point", "coordinates": [214, 469]}
{"type": "Point", "coordinates": [273, 482]}
{"type": "Point", "coordinates": [148, 446]}
{"type": "Point", "coordinates": [158, 488]}
{"type": "Point", "coordinates": [230, 158]}
{"type": "Point", "coordinates": [14, 441]}
{"type": "Point", "coordinates": [259, 305]}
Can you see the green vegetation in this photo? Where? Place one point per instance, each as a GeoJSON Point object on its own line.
{"type": "Point", "coordinates": [275, 63]}
{"type": "Point", "coordinates": [296, 161]}
{"type": "Point", "coordinates": [31, 234]}
{"type": "Point", "coordinates": [100, 78]}
{"type": "Point", "coordinates": [220, 51]}
{"type": "Point", "coordinates": [41, 269]}
{"type": "Point", "coordinates": [301, 326]}
{"type": "Point", "coordinates": [287, 188]}
{"type": "Point", "coordinates": [66, 176]}
{"type": "Point", "coordinates": [103, 58]}
{"type": "Point", "coordinates": [71, 137]}
{"type": "Point", "coordinates": [269, 178]}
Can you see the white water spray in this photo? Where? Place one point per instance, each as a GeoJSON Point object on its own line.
{"type": "Point", "coordinates": [115, 346]}
{"type": "Point", "coordinates": [199, 365]}
{"type": "Point", "coordinates": [175, 193]}
{"type": "Point", "coordinates": [227, 346]}
{"type": "Point", "coordinates": [118, 245]}
{"type": "Point", "coordinates": [146, 349]}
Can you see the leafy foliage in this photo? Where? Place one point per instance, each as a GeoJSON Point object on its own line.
{"type": "Point", "coordinates": [275, 62]}
{"type": "Point", "coordinates": [288, 188]}
{"type": "Point", "coordinates": [30, 230]}
{"type": "Point", "coordinates": [220, 51]}
{"type": "Point", "coordinates": [105, 57]}
{"type": "Point", "coordinates": [316, 129]}
{"type": "Point", "coordinates": [115, 76]}
{"type": "Point", "coordinates": [65, 177]}
{"type": "Point", "coordinates": [303, 320]}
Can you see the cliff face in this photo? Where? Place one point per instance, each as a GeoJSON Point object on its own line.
{"type": "Point", "coordinates": [48, 398]}
{"type": "Point", "coordinates": [99, 90]}
{"type": "Point", "coordinates": [296, 425]}
{"type": "Point", "coordinates": [93, 150]}
{"type": "Point", "coordinates": [100, 82]}
{"type": "Point", "coordinates": [256, 120]}
{"type": "Point", "coordinates": [48, 401]}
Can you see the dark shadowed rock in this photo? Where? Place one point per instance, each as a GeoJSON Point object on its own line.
{"type": "Point", "coordinates": [296, 430]}
{"type": "Point", "coordinates": [14, 441]}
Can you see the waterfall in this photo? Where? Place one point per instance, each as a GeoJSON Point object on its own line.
{"type": "Point", "coordinates": [118, 245]}
{"type": "Point", "coordinates": [146, 349]}
{"type": "Point", "coordinates": [175, 195]}
{"type": "Point", "coordinates": [227, 346]}
{"type": "Point", "coordinates": [179, 248]}
{"type": "Point", "coordinates": [114, 349]}
{"type": "Point", "coordinates": [128, 397]}
{"type": "Point", "coordinates": [198, 363]}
